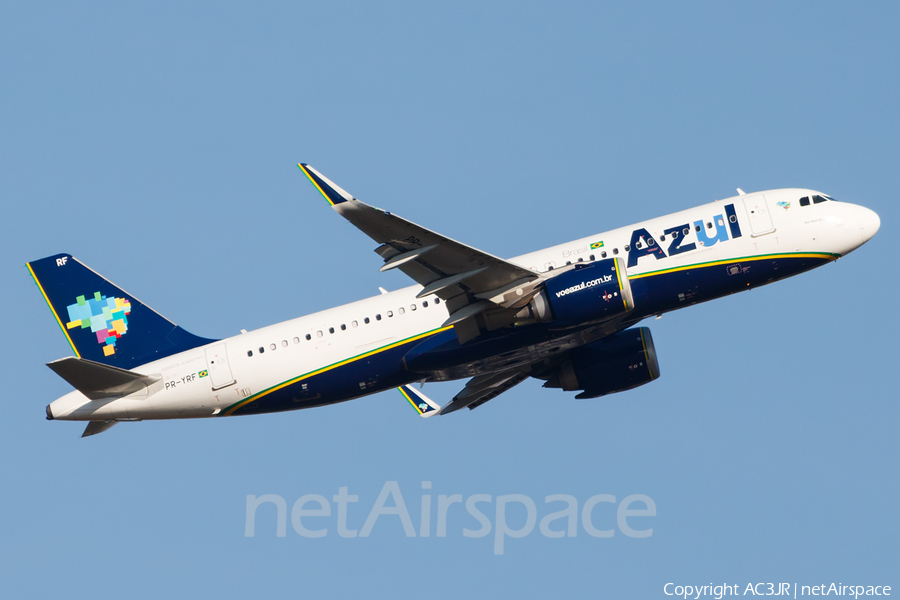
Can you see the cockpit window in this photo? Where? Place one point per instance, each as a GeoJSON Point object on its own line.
{"type": "Point", "coordinates": [804, 201]}
{"type": "Point", "coordinates": [817, 199]}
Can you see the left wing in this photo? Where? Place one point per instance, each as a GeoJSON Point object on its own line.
{"type": "Point", "coordinates": [471, 281]}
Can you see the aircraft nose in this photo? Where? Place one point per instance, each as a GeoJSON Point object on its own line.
{"type": "Point", "coordinates": [869, 222]}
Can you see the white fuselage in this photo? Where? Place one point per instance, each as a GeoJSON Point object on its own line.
{"type": "Point", "coordinates": [194, 385]}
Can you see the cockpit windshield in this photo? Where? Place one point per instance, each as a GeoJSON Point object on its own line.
{"type": "Point", "coordinates": [817, 199]}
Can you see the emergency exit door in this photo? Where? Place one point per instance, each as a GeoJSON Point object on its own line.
{"type": "Point", "coordinates": [217, 365]}
{"type": "Point", "coordinates": [758, 215]}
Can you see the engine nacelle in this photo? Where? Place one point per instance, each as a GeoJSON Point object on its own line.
{"type": "Point", "coordinates": [614, 364]}
{"type": "Point", "coordinates": [592, 291]}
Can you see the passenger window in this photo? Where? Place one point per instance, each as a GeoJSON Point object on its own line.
{"type": "Point", "coordinates": [733, 219]}
{"type": "Point", "coordinates": [720, 222]}
{"type": "Point", "coordinates": [627, 248]}
{"type": "Point", "coordinates": [354, 324]}
{"type": "Point", "coordinates": [603, 254]}
{"type": "Point", "coordinates": [592, 257]}
{"type": "Point", "coordinates": [308, 337]}
{"type": "Point", "coordinates": [424, 303]}
{"type": "Point", "coordinates": [401, 310]}
{"type": "Point", "coordinates": [319, 333]}
{"type": "Point", "coordinates": [437, 300]}
{"type": "Point", "coordinates": [378, 317]}
{"type": "Point", "coordinates": [366, 320]}
{"type": "Point", "coordinates": [687, 231]}
{"type": "Point", "coordinates": [580, 260]}
{"type": "Point", "coordinates": [412, 307]}
{"type": "Point", "coordinates": [261, 349]}
{"type": "Point", "coordinates": [662, 238]}
{"type": "Point", "coordinates": [284, 343]}
{"type": "Point", "coordinates": [249, 352]}
{"type": "Point", "coordinates": [296, 340]}
{"type": "Point", "coordinates": [331, 330]}
{"type": "Point", "coordinates": [804, 201]}
{"type": "Point", "coordinates": [650, 242]}
{"type": "Point", "coordinates": [390, 313]}
{"type": "Point", "coordinates": [343, 327]}
{"type": "Point", "coordinates": [272, 346]}
{"type": "Point", "coordinates": [615, 250]}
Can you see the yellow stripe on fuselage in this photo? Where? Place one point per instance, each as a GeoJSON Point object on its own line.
{"type": "Point", "coordinates": [714, 263]}
{"type": "Point", "coordinates": [228, 412]}
{"type": "Point", "coordinates": [56, 316]}
{"type": "Point", "coordinates": [321, 191]}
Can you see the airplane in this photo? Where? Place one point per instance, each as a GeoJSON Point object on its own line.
{"type": "Point", "coordinates": [564, 314]}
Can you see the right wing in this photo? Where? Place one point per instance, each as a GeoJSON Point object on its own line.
{"type": "Point", "coordinates": [482, 388]}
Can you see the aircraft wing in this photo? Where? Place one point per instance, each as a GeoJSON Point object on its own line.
{"type": "Point", "coordinates": [483, 388]}
{"type": "Point", "coordinates": [464, 276]}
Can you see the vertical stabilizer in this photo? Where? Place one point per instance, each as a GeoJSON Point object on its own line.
{"type": "Point", "coordinates": [102, 322]}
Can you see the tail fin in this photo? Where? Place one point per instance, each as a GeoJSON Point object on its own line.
{"type": "Point", "coordinates": [102, 322]}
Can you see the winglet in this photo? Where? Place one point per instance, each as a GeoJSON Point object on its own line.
{"type": "Point", "coordinates": [332, 192]}
{"type": "Point", "coordinates": [423, 405]}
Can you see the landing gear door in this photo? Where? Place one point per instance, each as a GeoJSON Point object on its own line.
{"type": "Point", "coordinates": [217, 363]}
{"type": "Point", "coordinates": [758, 215]}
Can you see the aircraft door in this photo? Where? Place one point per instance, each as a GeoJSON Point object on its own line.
{"type": "Point", "coordinates": [217, 364]}
{"type": "Point", "coordinates": [758, 214]}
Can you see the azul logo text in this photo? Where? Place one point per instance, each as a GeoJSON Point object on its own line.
{"type": "Point", "coordinates": [708, 234]}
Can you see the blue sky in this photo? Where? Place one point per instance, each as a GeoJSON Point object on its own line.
{"type": "Point", "coordinates": [158, 143]}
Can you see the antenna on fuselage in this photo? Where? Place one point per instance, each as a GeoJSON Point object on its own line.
{"type": "Point", "coordinates": [741, 192]}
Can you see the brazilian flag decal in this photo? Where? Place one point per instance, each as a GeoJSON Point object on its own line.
{"type": "Point", "coordinates": [596, 245]}
{"type": "Point", "coordinates": [203, 373]}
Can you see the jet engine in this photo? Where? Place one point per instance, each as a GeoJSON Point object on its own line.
{"type": "Point", "coordinates": [593, 291]}
{"type": "Point", "coordinates": [614, 364]}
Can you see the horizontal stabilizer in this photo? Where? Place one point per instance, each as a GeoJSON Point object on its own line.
{"type": "Point", "coordinates": [424, 406]}
{"type": "Point", "coordinates": [95, 427]}
{"type": "Point", "coordinates": [98, 381]}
